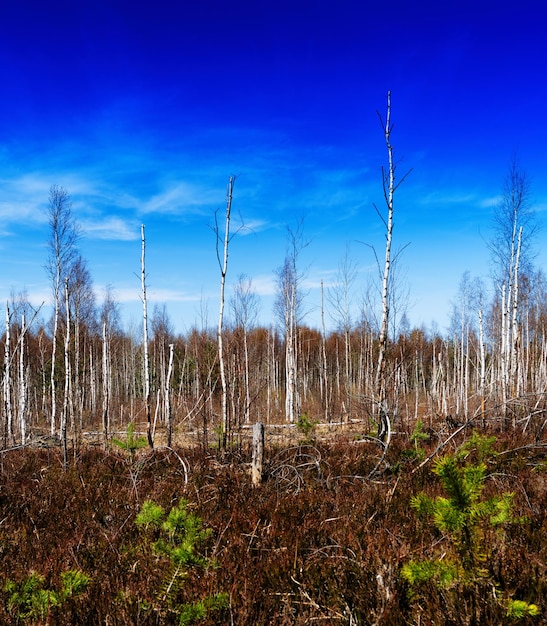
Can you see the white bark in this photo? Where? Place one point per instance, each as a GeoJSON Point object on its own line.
{"type": "Point", "coordinates": [258, 454]}
{"type": "Point", "coordinates": [64, 416]}
{"type": "Point", "coordinates": [106, 384]}
{"type": "Point", "coordinates": [7, 380]}
{"type": "Point", "coordinates": [22, 383]}
{"type": "Point", "coordinates": [145, 343]}
{"type": "Point", "coordinates": [482, 364]}
{"type": "Point", "coordinates": [223, 264]}
{"type": "Point", "coordinates": [324, 376]}
{"type": "Point", "coordinates": [389, 190]}
{"type": "Point", "coordinates": [62, 245]}
{"type": "Point", "coordinates": [515, 339]}
{"type": "Point", "coordinates": [168, 411]}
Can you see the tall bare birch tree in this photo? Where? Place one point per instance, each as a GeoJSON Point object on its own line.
{"type": "Point", "coordinates": [168, 410]}
{"type": "Point", "coordinates": [390, 185]}
{"type": "Point", "coordinates": [66, 397]}
{"type": "Point", "coordinates": [289, 310]}
{"type": "Point", "coordinates": [8, 427]}
{"type": "Point", "coordinates": [62, 248]}
{"type": "Point", "coordinates": [145, 342]}
{"type": "Point", "coordinates": [222, 257]}
{"type": "Point", "coordinates": [22, 383]}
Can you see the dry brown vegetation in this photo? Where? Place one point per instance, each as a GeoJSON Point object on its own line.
{"type": "Point", "coordinates": [320, 541]}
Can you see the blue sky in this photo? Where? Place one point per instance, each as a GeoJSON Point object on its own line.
{"type": "Point", "coordinates": [142, 111]}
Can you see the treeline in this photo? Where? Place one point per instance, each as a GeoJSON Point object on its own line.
{"type": "Point", "coordinates": [98, 383]}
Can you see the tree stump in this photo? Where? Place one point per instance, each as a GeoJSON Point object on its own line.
{"type": "Point", "coordinates": [258, 453]}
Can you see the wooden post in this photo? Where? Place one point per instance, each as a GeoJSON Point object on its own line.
{"type": "Point", "coordinates": [258, 453]}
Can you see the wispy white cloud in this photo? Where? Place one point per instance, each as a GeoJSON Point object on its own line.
{"type": "Point", "coordinates": [113, 228]}
{"type": "Point", "coordinates": [23, 199]}
{"type": "Point", "coordinates": [264, 285]}
{"type": "Point", "coordinates": [448, 196]}
{"type": "Point", "coordinates": [180, 197]}
{"type": "Point", "coordinates": [130, 295]}
{"type": "Point", "coordinates": [249, 227]}
{"type": "Point", "coordinates": [488, 203]}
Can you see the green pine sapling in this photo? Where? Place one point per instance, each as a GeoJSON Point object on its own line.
{"type": "Point", "coordinates": [131, 443]}
{"type": "Point", "coordinates": [29, 600]}
{"type": "Point", "coordinates": [464, 518]}
{"type": "Point", "coordinates": [179, 534]}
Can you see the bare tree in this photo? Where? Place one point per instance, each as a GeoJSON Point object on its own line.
{"type": "Point", "coordinates": [8, 425]}
{"type": "Point", "coordinates": [83, 312]}
{"type": "Point", "coordinates": [245, 305]}
{"type": "Point", "coordinates": [162, 332]}
{"type": "Point", "coordinates": [514, 211]}
{"type": "Point", "coordinates": [340, 298]}
{"type": "Point", "coordinates": [62, 247]}
{"type": "Point", "coordinates": [465, 314]}
{"type": "Point", "coordinates": [288, 307]}
{"type": "Point", "coordinates": [515, 226]}
{"type": "Point", "coordinates": [168, 411]}
{"type": "Point", "coordinates": [222, 257]}
{"type": "Point", "coordinates": [22, 382]}
{"type": "Point", "coordinates": [145, 343]}
{"type": "Point", "coordinates": [390, 186]}
{"type": "Point", "coordinates": [66, 398]}
{"type": "Point", "coordinates": [110, 318]}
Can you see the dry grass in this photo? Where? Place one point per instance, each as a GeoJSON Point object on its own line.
{"type": "Point", "coordinates": [318, 542]}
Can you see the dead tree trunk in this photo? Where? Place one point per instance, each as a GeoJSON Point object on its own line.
{"type": "Point", "coordinates": [258, 453]}
{"type": "Point", "coordinates": [22, 383]}
{"type": "Point", "coordinates": [64, 416]}
{"type": "Point", "coordinates": [145, 344]}
{"type": "Point", "coordinates": [8, 429]}
{"type": "Point", "coordinates": [223, 264]}
{"type": "Point", "coordinates": [389, 188]}
{"type": "Point", "coordinates": [169, 416]}
{"type": "Point", "coordinates": [106, 385]}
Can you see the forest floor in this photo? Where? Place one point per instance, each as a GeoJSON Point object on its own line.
{"type": "Point", "coordinates": [324, 539]}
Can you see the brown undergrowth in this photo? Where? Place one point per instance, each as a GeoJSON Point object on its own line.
{"type": "Point", "coordinates": [320, 541]}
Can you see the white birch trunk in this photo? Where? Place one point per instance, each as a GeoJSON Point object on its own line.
{"type": "Point", "coordinates": [22, 384]}
{"type": "Point", "coordinates": [258, 454]}
{"type": "Point", "coordinates": [106, 385]}
{"type": "Point", "coordinates": [54, 354]}
{"type": "Point", "coordinates": [389, 191]}
{"type": "Point", "coordinates": [504, 352]}
{"type": "Point", "coordinates": [7, 380]}
{"type": "Point", "coordinates": [247, 377]}
{"type": "Point", "coordinates": [145, 343]}
{"type": "Point", "coordinates": [514, 321]}
{"type": "Point", "coordinates": [324, 377]}
{"type": "Point", "coordinates": [223, 263]}
{"type": "Point", "coordinates": [64, 416]}
{"type": "Point", "coordinates": [290, 362]}
{"type": "Point", "coordinates": [482, 384]}
{"type": "Point", "coordinates": [169, 416]}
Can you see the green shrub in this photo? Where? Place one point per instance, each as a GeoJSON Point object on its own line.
{"type": "Point", "coordinates": [131, 443]}
{"type": "Point", "coordinates": [464, 518]}
{"type": "Point", "coordinates": [28, 600]}
{"type": "Point", "coordinates": [180, 534]}
{"type": "Point", "coordinates": [306, 427]}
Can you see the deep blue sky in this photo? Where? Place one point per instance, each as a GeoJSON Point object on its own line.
{"type": "Point", "coordinates": [143, 111]}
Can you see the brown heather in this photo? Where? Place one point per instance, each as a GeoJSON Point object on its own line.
{"type": "Point", "coordinates": [318, 542]}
